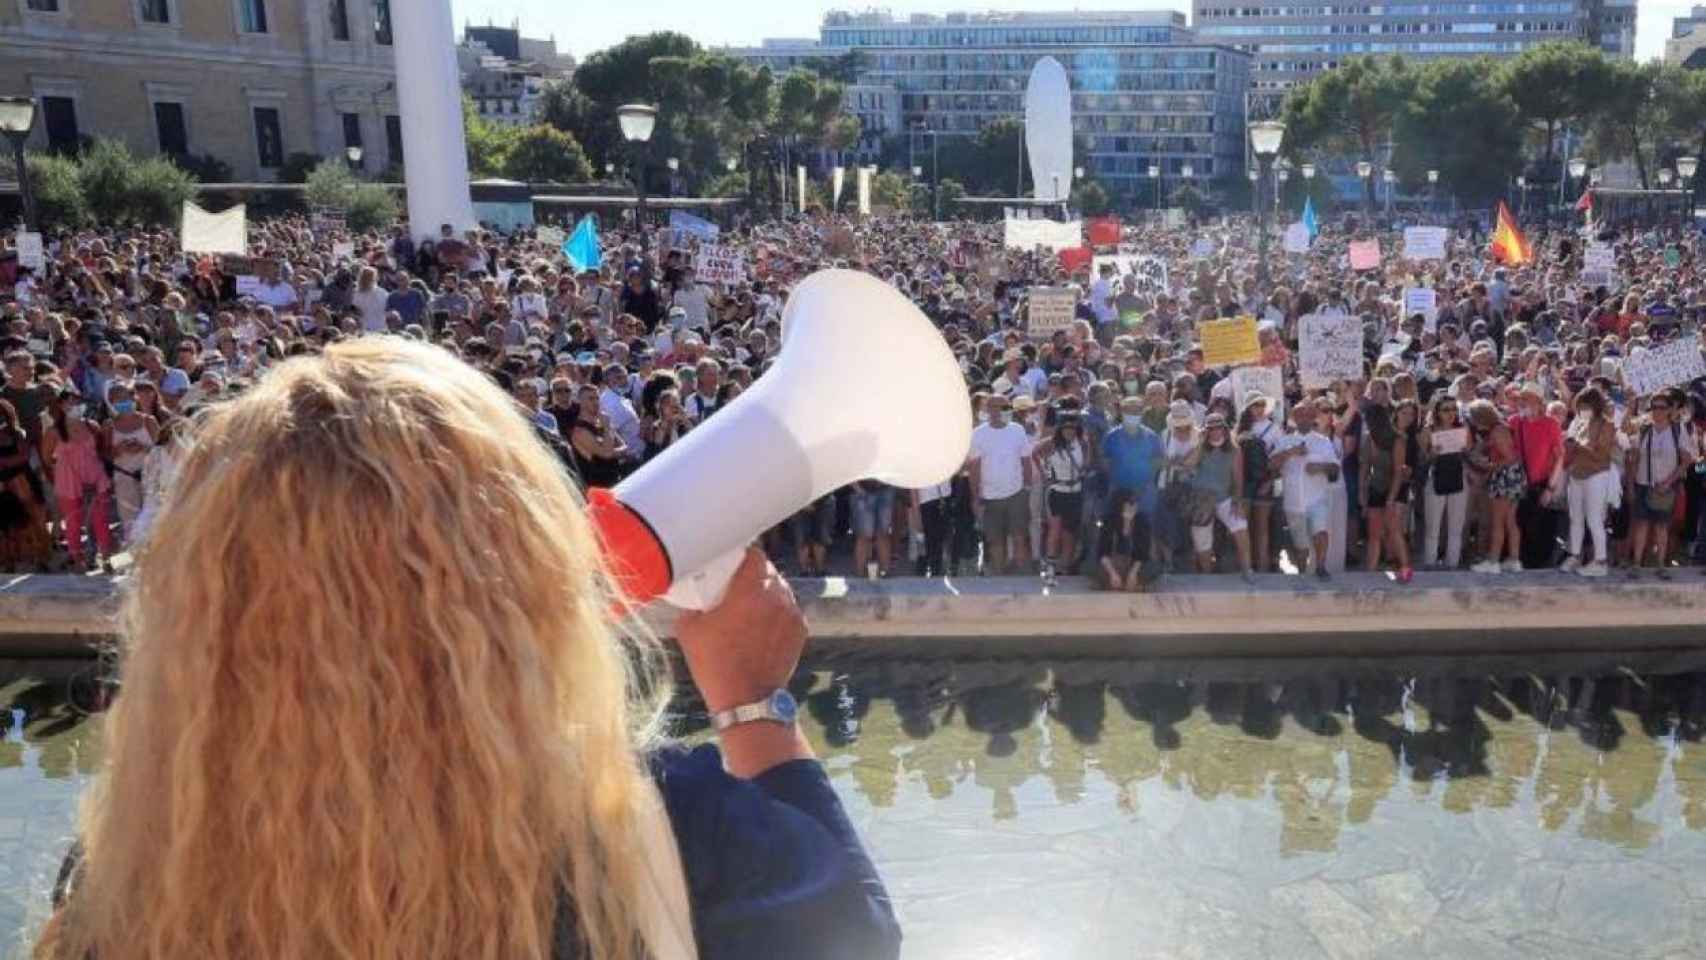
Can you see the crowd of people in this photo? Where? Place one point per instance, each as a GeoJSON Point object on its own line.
{"type": "Point", "coordinates": [1499, 434]}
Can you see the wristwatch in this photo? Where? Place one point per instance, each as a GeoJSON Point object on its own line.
{"type": "Point", "coordinates": [779, 707]}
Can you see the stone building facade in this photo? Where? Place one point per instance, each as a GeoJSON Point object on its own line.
{"type": "Point", "coordinates": [249, 82]}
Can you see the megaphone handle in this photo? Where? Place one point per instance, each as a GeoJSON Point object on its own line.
{"type": "Point", "coordinates": [705, 589]}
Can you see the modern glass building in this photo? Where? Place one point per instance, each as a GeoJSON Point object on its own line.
{"type": "Point", "coordinates": [1293, 40]}
{"type": "Point", "coordinates": [1145, 91]}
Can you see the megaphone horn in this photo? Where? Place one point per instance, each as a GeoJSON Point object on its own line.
{"type": "Point", "coordinates": [864, 388]}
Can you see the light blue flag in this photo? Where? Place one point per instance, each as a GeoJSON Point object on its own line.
{"type": "Point", "coordinates": [1309, 217]}
{"type": "Point", "coordinates": [582, 246]}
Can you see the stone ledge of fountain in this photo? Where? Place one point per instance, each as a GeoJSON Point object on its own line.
{"type": "Point", "coordinates": [1182, 615]}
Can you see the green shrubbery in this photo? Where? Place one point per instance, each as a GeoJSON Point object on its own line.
{"type": "Point", "coordinates": [366, 206]}
{"type": "Point", "coordinates": [108, 184]}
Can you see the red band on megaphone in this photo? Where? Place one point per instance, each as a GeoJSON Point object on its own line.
{"type": "Point", "coordinates": [633, 553]}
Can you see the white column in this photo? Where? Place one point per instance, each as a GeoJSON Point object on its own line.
{"type": "Point", "coordinates": [429, 103]}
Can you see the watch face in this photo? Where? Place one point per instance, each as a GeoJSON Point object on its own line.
{"type": "Point", "coordinates": [783, 706]}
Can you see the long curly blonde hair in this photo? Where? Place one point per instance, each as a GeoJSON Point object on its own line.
{"type": "Point", "coordinates": [373, 707]}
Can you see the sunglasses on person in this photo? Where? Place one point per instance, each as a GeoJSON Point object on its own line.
{"type": "Point", "coordinates": [1660, 405]}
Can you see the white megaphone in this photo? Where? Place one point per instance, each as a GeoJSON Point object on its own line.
{"type": "Point", "coordinates": [864, 388]}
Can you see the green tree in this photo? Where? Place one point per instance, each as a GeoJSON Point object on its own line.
{"type": "Point", "coordinates": [370, 206]}
{"type": "Point", "coordinates": [731, 184]}
{"type": "Point", "coordinates": [297, 166]}
{"type": "Point", "coordinates": [1554, 85]}
{"type": "Point", "coordinates": [544, 154]}
{"type": "Point", "coordinates": [1630, 121]}
{"type": "Point", "coordinates": [488, 143]}
{"type": "Point", "coordinates": [891, 191]}
{"type": "Point", "coordinates": [1189, 199]}
{"type": "Point", "coordinates": [58, 191]}
{"type": "Point", "coordinates": [1350, 110]}
{"type": "Point", "coordinates": [1090, 198]}
{"type": "Point", "coordinates": [845, 68]}
{"type": "Point", "coordinates": [104, 172]}
{"type": "Point", "coordinates": [329, 185]}
{"type": "Point", "coordinates": [842, 134]}
{"type": "Point", "coordinates": [1463, 123]}
{"type": "Point", "coordinates": [949, 191]}
{"type": "Point", "coordinates": [158, 189]}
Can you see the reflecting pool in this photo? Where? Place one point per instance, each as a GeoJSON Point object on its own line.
{"type": "Point", "coordinates": [1106, 809]}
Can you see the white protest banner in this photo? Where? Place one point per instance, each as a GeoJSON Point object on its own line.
{"type": "Point", "coordinates": [1424, 243]}
{"type": "Point", "coordinates": [836, 177]}
{"type": "Point", "coordinates": [204, 232]}
{"type": "Point", "coordinates": [1028, 234]}
{"type": "Point", "coordinates": [1425, 301]}
{"type": "Point", "coordinates": [719, 264]}
{"type": "Point", "coordinates": [1173, 218]}
{"type": "Point", "coordinates": [1151, 272]}
{"type": "Point", "coordinates": [1450, 441]}
{"type": "Point", "coordinates": [552, 237]}
{"type": "Point", "coordinates": [1329, 349]}
{"type": "Point", "coordinates": [1297, 238]}
{"type": "Point", "coordinates": [343, 250]}
{"type": "Point", "coordinates": [1599, 265]}
{"type": "Point", "coordinates": [1250, 382]}
{"type": "Point", "coordinates": [248, 285]}
{"type": "Point", "coordinates": [864, 192]}
{"type": "Point", "coordinates": [686, 223]}
{"type": "Point", "coordinates": [1204, 247]}
{"type": "Point", "coordinates": [1051, 309]}
{"type": "Point", "coordinates": [1672, 364]}
{"type": "Point", "coordinates": [30, 251]}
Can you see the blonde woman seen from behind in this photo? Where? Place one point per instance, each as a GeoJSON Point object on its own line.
{"type": "Point", "coordinates": [401, 723]}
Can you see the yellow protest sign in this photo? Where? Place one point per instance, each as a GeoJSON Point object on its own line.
{"type": "Point", "coordinates": [1229, 342]}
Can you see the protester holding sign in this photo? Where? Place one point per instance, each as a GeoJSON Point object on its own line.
{"type": "Point", "coordinates": [1445, 488]}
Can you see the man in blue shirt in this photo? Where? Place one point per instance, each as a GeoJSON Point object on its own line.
{"type": "Point", "coordinates": [1134, 455]}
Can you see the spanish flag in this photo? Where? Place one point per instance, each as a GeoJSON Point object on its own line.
{"type": "Point", "coordinates": [1509, 245]}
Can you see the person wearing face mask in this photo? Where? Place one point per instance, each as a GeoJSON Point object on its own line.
{"type": "Point", "coordinates": [71, 448]}
{"type": "Point", "coordinates": [1133, 455]}
{"type": "Point", "coordinates": [128, 436]}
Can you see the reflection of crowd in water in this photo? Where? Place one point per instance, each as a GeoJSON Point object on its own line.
{"type": "Point", "coordinates": [1591, 751]}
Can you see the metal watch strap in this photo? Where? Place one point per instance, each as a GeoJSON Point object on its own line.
{"type": "Point", "coordinates": [745, 713]}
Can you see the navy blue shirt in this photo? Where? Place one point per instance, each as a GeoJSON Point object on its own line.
{"type": "Point", "coordinates": [774, 868]}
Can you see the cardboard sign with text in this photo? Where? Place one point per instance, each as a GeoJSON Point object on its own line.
{"type": "Point", "coordinates": [1329, 349]}
{"type": "Point", "coordinates": [1051, 309]}
{"type": "Point", "coordinates": [1229, 343]}
{"type": "Point", "coordinates": [719, 264]}
{"type": "Point", "coordinates": [1672, 364]}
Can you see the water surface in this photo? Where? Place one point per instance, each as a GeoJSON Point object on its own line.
{"type": "Point", "coordinates": [1106, 809]}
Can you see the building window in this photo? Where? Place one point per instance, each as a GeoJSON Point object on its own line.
{"type": "Point", "coordinates": [382, 22]}
{"type": "Point", "coordinates": [154, 11]}
{"type": "Point", "coordinates": [252, 16]}
{"type": "Point", "coordinates": [169, 125]}
{"type": "Point", "coordinates": [59, 119]}
{"type": "Point", "coordinates": [269, 138]}
{"type": "Point", "coordinates": [338, 10]}
{"type": "Point", "coordinates": [394, 138]}
{"type": "Point", "coordinates": [42, 6]}
{"type": "Point", "coordinates": [352, 130]}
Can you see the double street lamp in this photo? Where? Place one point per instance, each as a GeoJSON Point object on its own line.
{"type": "Point", "coordinates": [1265, 139]}
{"type": "Point", "coordinates": [17, 119]}
{"type": "Point", "coordinates": [638, 120]}
{"type": "Point", "coordinates": [1366, 170]}
{"type": "Point", "coordinates": [1686, 167]}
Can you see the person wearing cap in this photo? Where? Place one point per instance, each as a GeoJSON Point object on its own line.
{"type": "Point", "coordinates": [1000, 480]}
{"type": "Point", "coordinates": [1308, 463]}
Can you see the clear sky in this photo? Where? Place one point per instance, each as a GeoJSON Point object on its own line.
{"type": "Point", "coordinates": [581, 28]}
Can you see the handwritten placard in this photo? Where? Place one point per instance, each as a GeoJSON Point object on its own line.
{"type": "Point", "coordinates": [1669, 365]}
{"type": "Point", "coordinates": [1248, 382]}
{"type": "Point", "coordinates": [1329, 349]}
{"type": "Point", "coordinates": [1297, 238]}
{"type": "Point", "coordinates": [1365, 254]}
{"type": "Point", "coordinates": [1203, 247]}
{"type": "Point", "coordinates": [1447, 442]}
{"type": "Point", "coordinates": [1228, 343]}
{"type": "Point", "coordinates": [1425, 301]}
{"type": "Point", "coordinates": [248, 285]}
{"type": "Point", "coordinates": [716, 263]}
{"type": "Point", "coordinates": [1424, 243]}
{"type": "Point", "coordinates": [1149, 272]}
{"type": "Point", "coordinates": [1051, 309]}
{"type": "Point", "coordinates": [1599, 265]}
{"type": "Point", "coordinates": [552, 237]}
{"type": "Point", "coordinates": [30, 251]}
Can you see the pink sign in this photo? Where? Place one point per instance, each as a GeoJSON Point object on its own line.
{"type": "Point", "coordinates": [1365, 255]}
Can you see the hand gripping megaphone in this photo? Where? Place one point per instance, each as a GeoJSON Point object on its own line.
{"type": "Point", "coordinates": [864, 388]}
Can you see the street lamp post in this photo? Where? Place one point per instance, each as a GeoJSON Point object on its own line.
{"type": "Point", "coordinates": [1391, 180]}
{"type": "Point", "coordinates": [1282, 176]}
{"type": "Point", "coordinates": [1366, 170]}
{"type": "Point", "coordinates": [638, 120]}
{"type": "Point", "coordinates": [1521, 195]}
{"type": "Point", "coordinates": [1155, 175]}
{"type": "Point", "coordinates": [1686, 167]}
{"type": "Point", "coordinates": [353, 154]}
{"type": "Point", "coordinates": [1577, 168]}
{"type": "Point", "coordinates": [1665, 178]}
{"type": "Point", "coordinates": [1265, 139]}
{"type": "Point", "coordinates": [1255, 191]}
{"type": "Point", "coordinates": [17, 118]}
{"type": "Point", "coordinates": [1433, 191]}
